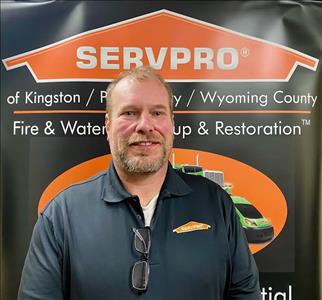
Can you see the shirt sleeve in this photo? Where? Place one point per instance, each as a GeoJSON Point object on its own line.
{"type": "Point", "coordinates": [244, 281]}
{"type": "Point", "coordinates": [41, 276]}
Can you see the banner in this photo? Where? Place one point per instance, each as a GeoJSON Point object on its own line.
{"type": "Point", "coordinates": [246, 77]}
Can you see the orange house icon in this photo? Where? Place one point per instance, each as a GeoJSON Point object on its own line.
{"type": "Point", "coordinates": [182, 48]}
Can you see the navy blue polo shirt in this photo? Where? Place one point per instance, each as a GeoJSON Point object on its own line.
{"type": "Point", "coordinates": [83, 244]}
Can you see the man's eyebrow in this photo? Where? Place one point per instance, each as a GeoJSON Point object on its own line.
{"type": "Point", "coordinates": [159, 106]}
{"type": "Point", "coordinates": [125, 107]}
{"type": "Point", "coordinates": [135, 107]}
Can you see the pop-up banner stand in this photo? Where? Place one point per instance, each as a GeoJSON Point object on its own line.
{"type": "Point", "coordinates": [246, 77]}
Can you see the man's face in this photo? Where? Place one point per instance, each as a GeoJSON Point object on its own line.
{"type": "Point", "coordinates": [140, 126]}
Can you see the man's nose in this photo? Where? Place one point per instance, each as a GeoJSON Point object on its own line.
{"type": "Point", "coordinates": [145, 123]}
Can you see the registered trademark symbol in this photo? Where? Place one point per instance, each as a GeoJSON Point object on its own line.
{"type": "Point", "coordinates": [244, 52]}
{"type": "Point", "coordinates": [306, 122]}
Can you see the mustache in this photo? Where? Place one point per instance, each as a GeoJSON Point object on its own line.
{"type": "Point", "coordinates": [137, 138]}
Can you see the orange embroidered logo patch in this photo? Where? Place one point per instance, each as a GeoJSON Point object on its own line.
{"type": "Point", "coordinates": [191, 226]}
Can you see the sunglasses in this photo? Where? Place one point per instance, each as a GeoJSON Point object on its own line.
{"type": "Point", "coordinates": [141, 269]}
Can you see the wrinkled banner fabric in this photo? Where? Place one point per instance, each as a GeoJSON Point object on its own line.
{"type": "Point", "coordinates": [247, 85]}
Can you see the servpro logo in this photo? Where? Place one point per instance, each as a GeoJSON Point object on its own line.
{"type": "Point", "coordinates": [191, 226]}
{"type": "Point", "coordinates": [110, 58]}
{"type": "Point", "coordinates": [180, 47]}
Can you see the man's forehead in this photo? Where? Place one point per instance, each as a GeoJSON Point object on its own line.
{"type": "Point", "coordinates": [139, 91]}
{"type": "Point", "coordinates": [131, 82]}
{"type": "Point", "coordinates": [133, 89]}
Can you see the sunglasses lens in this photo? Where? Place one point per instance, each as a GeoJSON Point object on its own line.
{"type": "Point", "coordinates": [142, 240]}
{"type": "Point", "coordinates": [140, 275]}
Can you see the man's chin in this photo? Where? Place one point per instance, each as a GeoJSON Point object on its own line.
{"type": "Point", "coordinates": [142, 165]}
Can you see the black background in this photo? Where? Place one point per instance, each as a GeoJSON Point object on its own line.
{"type": "Point", "coordinates": [29, 164]}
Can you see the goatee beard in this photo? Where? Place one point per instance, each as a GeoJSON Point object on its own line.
{"type": "Point", "coordinates": [141, 164]}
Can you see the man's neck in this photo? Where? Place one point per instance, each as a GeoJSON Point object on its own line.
{"type": "Point", "coordinates": [145, 186]}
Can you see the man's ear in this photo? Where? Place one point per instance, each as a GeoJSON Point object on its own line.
{"type": "Point", "coordinates": [107, 122]}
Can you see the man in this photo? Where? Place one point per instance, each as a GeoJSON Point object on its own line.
{"type": "Point", "coordinates": [141, 230]}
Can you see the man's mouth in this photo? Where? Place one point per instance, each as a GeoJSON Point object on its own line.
{"type": "Point", "coordinates": [144, 143]}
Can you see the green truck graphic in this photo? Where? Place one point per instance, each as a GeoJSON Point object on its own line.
{"type": "Point", "coordinates": [257, 228]}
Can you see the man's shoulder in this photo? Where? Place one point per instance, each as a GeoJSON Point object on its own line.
{"type": "Point", "coordinates": [90, 188]}
{"type": "Point", "coordinates": [205, 188]}
{"type": "Point", "coordinates": [196, 181]}
{"type": "Point", "coordinates": [94, 182]}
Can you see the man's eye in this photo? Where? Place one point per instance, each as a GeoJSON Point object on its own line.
{"type": "Point", "coordinates": [157, 113]}
{"type": "Point", "coordinates": [129, 113]}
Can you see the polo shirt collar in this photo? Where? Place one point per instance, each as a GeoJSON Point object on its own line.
{"type": "Point", "coordinates": [174, 185]}
{"type": "Point", "coordinates": [114, 191]}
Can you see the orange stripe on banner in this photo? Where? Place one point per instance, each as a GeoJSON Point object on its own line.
{"type": "Point", "coordinates": [32, 112]}
{"type": "Point", "coordinates": [178, 112]}
{"type": "Point", "coordinates": [243, 112]}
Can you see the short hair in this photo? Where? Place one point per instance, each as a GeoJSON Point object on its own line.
{"type": "Point", "coordinates": [140, 74]}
